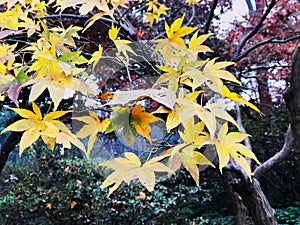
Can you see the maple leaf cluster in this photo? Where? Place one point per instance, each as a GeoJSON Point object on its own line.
{"type": "Point", "coordinates": [56, 64]}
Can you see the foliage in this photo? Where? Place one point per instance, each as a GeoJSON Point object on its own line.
{"type": "Point", "coordinates": [54, 190]}
{"type": "Point", "coordinates": [269, 61]}
{"type": "Point", "coordinates": [290, 215]}
{"type": "Point", "coordinates": [214, 220]}
{"type": "Point", "coordinates": [55, 63]}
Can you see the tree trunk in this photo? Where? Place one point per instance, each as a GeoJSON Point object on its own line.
{"type": "Point", "coordinates": [241, 213]}
{"type": "Point", "coordinates": [7, 147]}
{"type": "Point", "coordinates": [258, 205]}
{"type": "Point", "coordinates": [251, 195]}
{"type": "Point", "coordinates": [11, 141]}
{"type": "Point", "coordinates": [292, 99]}
{"type": "Point", "coordinates": [264, 91]}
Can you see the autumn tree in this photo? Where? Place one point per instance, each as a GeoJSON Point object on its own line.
{"type": "Point", "coordinates": [102, 78]}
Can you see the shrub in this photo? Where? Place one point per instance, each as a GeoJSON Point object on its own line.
{"type": "Point", "coordinates": [54, 190]}
{"type": "Point", "coordinates": [290, 215]}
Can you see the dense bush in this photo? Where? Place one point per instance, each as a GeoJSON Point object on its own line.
{"type": "Point", "coordinates": [290, 215]}
{"type": "Point", "coordinates": [53, 190]}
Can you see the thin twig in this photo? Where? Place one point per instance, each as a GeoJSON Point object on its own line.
{"type": "Point", "coordinates": [192, 17]}
{"type": "Point", "coordinates": [211, 15]}
{"type": "Point", "coordinates": [253, 32]}
{"type": "Point", "coordinates": [268, 41]}
{"type": "Point", "coordinates": [103, 19]}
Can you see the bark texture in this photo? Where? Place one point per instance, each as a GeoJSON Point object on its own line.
{"type": "Point", "coordinates": [241, 213]}
{"type": "Point", "coordinates": [251, 195]}
{"type": "Point", "coordinates": [292, 98]}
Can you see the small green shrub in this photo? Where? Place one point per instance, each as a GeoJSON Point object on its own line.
{"type": "Point", "coordinates": [213, 219]}
{"type": "Point", "coordinates": [290, 215]}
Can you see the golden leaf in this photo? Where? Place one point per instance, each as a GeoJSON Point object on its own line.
{"type": "Point", "coordinates": [130, 168]}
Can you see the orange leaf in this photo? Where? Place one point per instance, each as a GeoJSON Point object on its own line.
{"type": "Point", "coordinates": [140, 120]}
{"type": "Point", "coordinates": [73, 204]}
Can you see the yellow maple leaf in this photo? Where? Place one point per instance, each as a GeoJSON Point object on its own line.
{"type": "Point", "coordinates": [170, 76]}
{"type": "Point", "coordinates": [7, 58]}
{"type": "Point", "coordinates": [85, 7]}
{"type": "Point", "coordinates": [141, 120]}
{"type": "Point", "coordinates": [130, 168]}
{"type": "Point", "coordinates": [161, 10]}
{"type": "Point", "coordinates": [186, 108]}
{"type": "Point", "coordinates": [10, 18]}
{"type": "Point", "coordinates": [190, 159]}
{"type": "Point", "coordinates": [152, 5]}
{"type": "Point", "coordinates": [30, 25]}
{"type": "Point", "coordinates": [151, 17]}
{"type": "Point", "coordinates": [238, 98]}
{"type": "Point", "coordinates": [228, 144]}
{"type": "Point", "coordinates": [215, 68]}
{"type": "Point", "coordinates": [175, 32]}
{"type": "Point", "coordinates": [185, 154]}
{"type": "Point", "coordinates": [121, 45]}
{"type": "Point", "coordinates": [113, 32]}
{"type": "Point", "coordinates": [96, 17]}
{"type": "Point", "coordinates": [96, 57]}
{"type": "Point", "coordinates": [195, 44]}
{"type": "Point", "coordinates": [92, 127]}
{"type": "Point", "coordinates": [173, 48]}
{"type": "Point", "coordinates": [57, 86]}
{"type": "Point", "coordinates": [191, 2]}
{"type": "Point", "coordinates": [46, 63]}
{"type": "Point", "coordinates": [35, 125]}
{"type": "Point", "coordinates": [211, 75]}
{"type": "Point", "coordinates": [65, 36]}
{"type": "Point", "coordinates": [155, 10]}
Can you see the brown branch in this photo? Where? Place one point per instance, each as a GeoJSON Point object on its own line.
{"type": "Point", "coordinates": [253, 32]}
{"type": "Point", "coordinates": [210, 17]}
{"type": "Point", "coordinates": [291, 97]}
{"type": "Point", "coordinates": [268, 41]}
{"type": "Point", "coordinates": [278, 157]}
{"type": "Point", "coordinates": [129, 31]}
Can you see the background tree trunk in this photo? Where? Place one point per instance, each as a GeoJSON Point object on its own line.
{"type": "Point", "coordinates": [292, 98]}
{"type": "Point", "coordinates": [12, 140]}
{"type": "Point", "coordinates": [241, 213]}
{"type": "Point", "coordinates": [264, 91]}
{"type": "Point", "coordinates": [251, 195]}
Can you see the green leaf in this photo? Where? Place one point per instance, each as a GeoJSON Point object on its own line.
{"type": "Point", "coordinates": [22, 77]}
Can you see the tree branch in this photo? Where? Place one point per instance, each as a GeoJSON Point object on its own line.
{"type": "Point", "coordinates": [211, 15]}
{"type": "Point", "coordinates": [192, 17]}
{"type": "Point", "coordinates": [268, 41]}
{"type": "Point", "coordinates": [253, 32]}
{"type": "Point", "coordinates": [129, 31]}
{"type": "Point", "coordinates": [240, 123]}
{"type": "Point", "coordinates": [278, 157]}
